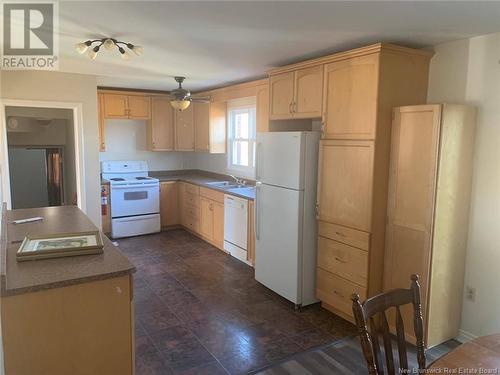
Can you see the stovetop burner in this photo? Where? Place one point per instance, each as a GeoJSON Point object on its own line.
{"type": "Point", "coordinates": [142, 178]}
{"type": "Point", "coordinates": [117, 179]}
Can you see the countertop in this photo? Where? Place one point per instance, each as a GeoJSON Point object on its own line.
{"type": "Point", "coordinates": [30, 276]}
{"type": "Point", "coordinates": [201, 178]}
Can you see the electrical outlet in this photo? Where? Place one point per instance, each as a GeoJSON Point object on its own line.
{"type": "Point", "coordinates": [470, 293]}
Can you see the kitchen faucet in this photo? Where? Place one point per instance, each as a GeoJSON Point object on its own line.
{"type": "Point", "coordinates": [239, 181]}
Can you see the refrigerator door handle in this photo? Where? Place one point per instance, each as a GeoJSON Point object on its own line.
{"type": "Point", "coordinates": [258, 152]}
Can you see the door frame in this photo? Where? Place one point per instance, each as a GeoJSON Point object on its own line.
{"type": "Point", "coordinates": [76, 108]}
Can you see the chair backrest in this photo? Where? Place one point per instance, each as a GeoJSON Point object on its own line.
{"type": "Point", "coordinates": [372, 313]}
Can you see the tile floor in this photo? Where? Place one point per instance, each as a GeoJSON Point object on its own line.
{"type": "Point", "coordinates": [200, 311]}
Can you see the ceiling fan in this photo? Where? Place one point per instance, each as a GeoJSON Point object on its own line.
{"type": "Point", "coordinates": [181, 97]}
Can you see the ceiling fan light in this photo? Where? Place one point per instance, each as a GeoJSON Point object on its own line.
{"type": "Point", "coordinates": [109, 44]}
{"type": "Point", "coordinates": [93, 52]}
{"type": "Point", "coordinates": [81, 48]}
{"type": "Point", "coordinates": [124, 54]}
{"type": "Point", "coordinates": [180, 105]}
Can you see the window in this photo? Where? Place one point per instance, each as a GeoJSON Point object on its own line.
{"type": "Point", "coordinates": [241, 138]}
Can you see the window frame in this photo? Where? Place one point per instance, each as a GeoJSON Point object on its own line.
{"type": "Point", "coordinates": [235, 105]}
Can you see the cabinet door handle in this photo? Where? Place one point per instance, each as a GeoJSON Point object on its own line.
{"type": "Point", "coordinates": [317, 211]}
{"type": "Point", "coordinates": [339, 294]}
{"type": "Point", "coordinates": [340, 260]}
{"type": "Point", "coordinates": [294, 107]}
{"type": "Point", "coordinates": [340, 234]}
{"type": "Point", "coordinates": [290, 107]}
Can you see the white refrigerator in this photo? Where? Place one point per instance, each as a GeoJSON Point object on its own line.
{"type": "Point", "coordinates": [285, 218]}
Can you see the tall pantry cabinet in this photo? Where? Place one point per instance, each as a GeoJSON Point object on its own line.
{"type": "Point", "coordinates": [428, 211]}
{"type": "Point", "coordinates": [360, 89]}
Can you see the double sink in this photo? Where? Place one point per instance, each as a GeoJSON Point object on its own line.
{"type": "Point", "coordinates": [231, 186]}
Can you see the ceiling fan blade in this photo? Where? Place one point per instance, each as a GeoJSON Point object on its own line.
{"type": "Point", "coordinates": [200, 99]}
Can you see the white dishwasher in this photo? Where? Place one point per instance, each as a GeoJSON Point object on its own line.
{"type": "Point", "coordinates": [236, 226]}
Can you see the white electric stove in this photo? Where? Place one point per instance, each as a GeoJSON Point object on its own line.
{"type": "Point", "coordinates": [135, 198]}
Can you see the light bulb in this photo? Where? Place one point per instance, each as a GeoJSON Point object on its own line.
{"type": "Point", "coordinates": [109, 44]}
{"type": "Point", "coordinates": [93, 52]}
{"type": "Point", "coordinates": [138, 50]}
{"type": "Point", "coordinates": [81, 47]}
{"type": "Point", "coordinates": [124, 54]}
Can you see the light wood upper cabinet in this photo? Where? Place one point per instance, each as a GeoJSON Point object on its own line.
{"type": "Point", "coordinates": [210, 127]}
{"type": "Point", "coordinates": [202, 126]}
{"type": "Point", "coordinates": [262, 108]}
{"type": "Point", "coordinates": [350, 98]}
{"type": "Point", "coordinates": [115, 106]}
{"type": "Point", "coordinates": [281, 93]}
{"type": "Point", "coordinates": [123, 106]}
{"type": "Point", "coordinates": [345, 183]}
{"type": "Point", "coordinates": [169, 204]}
{"type": "Point", "coordinates": [296, 94]}
{"type": "Point", "coordinates": [100, 123]}
{"type": "Point", "coordinates": [184, 129]}
{"type": "Point", "coordinates": [308, 92]}
{"type": "Point", "coordinates": [139, 107]}
{"type": "Point", "coordinates": [161, 126]}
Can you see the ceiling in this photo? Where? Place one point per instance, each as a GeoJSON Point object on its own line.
{"type": "Point", "coordinates": [216, 43]}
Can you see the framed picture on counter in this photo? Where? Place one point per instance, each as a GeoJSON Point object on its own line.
{"type": "Point", "coordinates": [44, 246]}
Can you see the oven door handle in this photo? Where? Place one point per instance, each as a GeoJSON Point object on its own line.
{"type": "Point", "coordinates": [135, 187]}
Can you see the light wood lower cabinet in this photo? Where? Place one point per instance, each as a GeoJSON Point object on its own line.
{"type": "Point", "coordinates": [86, 328]}
{"type": "Point", "coordinates": [169, 204]}
{"type": "Point", "coordinates": [189, 199]}
{"type": "Point", "coordinates": [212, 216]}
{"type": "Point", "coordinates": [200, 210]}
{"type": "Point", "coordinates": [251, 233]}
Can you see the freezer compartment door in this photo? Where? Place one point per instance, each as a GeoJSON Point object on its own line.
{"type": "Point", "coordinates": [278, 253]}
{"type": "Point", "coordinates": [280, 159]}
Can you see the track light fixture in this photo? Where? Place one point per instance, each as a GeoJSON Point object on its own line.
{"type": "Point", "coordinates": [92, 47]}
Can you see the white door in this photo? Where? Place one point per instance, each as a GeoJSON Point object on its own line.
{"type": "Point", "coordinates": [278, 230]}
{"type": "Point", "coordinates": [280, 159]}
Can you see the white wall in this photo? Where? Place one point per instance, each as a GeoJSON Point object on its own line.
{"type": "Point", "coordinates": [468, 71]}
{"type": "Point", "coordinates": [65, 87]}
{"type": "Point", "coordinates": [126, 140]}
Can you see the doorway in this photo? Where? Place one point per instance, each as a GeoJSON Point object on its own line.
{"type": "Point", "coordinates": [41, 157]}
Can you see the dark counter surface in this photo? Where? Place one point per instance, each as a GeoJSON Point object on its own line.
{"type": "Point", "coordinates": [30, 276]}
{"type": "Point", "coordinates": [201, 178]}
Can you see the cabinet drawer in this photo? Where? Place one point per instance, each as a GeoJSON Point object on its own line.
{"type": "Point", "coordinates": [343, 260]}
{"type": "Point", "coordinates": [192, 200]}
{"type": "Point", "coordinates": [212, 194]}
{"type": "Point", "coordinates": [192, 212]}
{"type": "Point", "coordinates": [192, 189]}
{"type": "Point", "coordinates": [336, 291]}
{"type": "Point", "coordinates": [345, 235]}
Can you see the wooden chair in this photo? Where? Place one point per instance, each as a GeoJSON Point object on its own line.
{"type": "Point", "coordinates": [373, 310]}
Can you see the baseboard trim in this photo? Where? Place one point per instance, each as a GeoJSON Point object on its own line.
{"type": "Point", "coordinates": [464, 336]}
